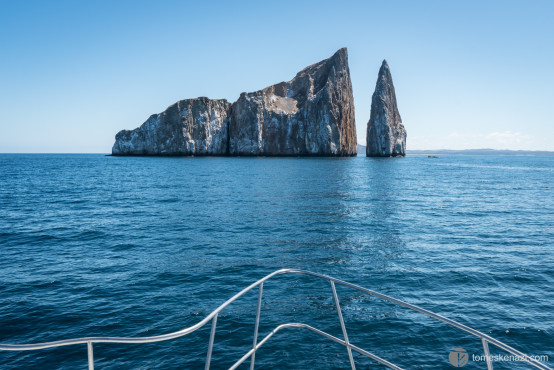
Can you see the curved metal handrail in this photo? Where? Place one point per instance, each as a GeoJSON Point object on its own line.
{"type": "Point", "coordinates": [213, 317]}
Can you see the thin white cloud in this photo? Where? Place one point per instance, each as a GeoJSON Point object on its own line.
{"type": "Point", "coordinates": [457, 140]}
{"type": "Point", "coordinates": [508, 137]}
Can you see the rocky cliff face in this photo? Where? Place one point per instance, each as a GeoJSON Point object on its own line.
{"type": "Point", "coordinates": [313, 114]}
{"type": "Point", "coordinates": [386, 135]}
{"type": "Point", "coordinates": [189, 127]}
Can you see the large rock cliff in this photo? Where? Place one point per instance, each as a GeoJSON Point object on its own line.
{"type": "Point", "coordinates": [311, 115]}
{"type": "Point", "coordinates": [189, 127]}
{"type": "Point", "coordinates": [386, 135]}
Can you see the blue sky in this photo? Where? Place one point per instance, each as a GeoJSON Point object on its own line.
{"type": "Point", "coordinates": [468, 74]}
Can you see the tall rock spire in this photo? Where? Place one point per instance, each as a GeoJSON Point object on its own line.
{"type": "Point", "coordinates": [386, 135]}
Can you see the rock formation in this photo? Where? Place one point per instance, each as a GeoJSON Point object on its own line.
{"type": "Point", "coordinates": [311, 115]}
{"type": "Point", "coordinates": [386, 135]}
{"type": "Point", "coordinates": [189, 127]}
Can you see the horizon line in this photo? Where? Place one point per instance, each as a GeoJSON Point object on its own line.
{"type": "Point", "coordinates": [407, 151]}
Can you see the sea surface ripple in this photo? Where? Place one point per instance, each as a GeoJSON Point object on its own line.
{"type": "Point", "coordinates": [108, 246]}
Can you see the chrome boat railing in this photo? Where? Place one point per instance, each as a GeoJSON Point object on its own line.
{"type": "Point", "coordinates": [485, 339]}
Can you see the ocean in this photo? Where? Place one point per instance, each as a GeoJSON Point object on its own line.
{"type": "Point", "coordinates": [93, 245]}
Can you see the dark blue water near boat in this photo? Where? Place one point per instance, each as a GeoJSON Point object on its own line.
{"type": "Point", "coordinates": [106, 246]}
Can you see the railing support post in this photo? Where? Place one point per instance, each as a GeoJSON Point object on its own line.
{"type": "Point", "coordinates": [487, 353]}
{"type": "Point", "coordinates": [258, 310]}
{"type": "Point", "coordinates": [339, 312]}
{"type": "Point", "coordinates": [90, 356]}
{"type": "Point", "coordinates": [211, 343]}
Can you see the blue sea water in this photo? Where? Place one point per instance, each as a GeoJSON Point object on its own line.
{"type": "Point", "coordinates": [109, 246]}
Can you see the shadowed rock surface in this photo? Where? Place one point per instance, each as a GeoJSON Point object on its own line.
{"type": "Point", "coordinates": [311, 115]}
{"type": "Point", "coordinates": [386, 135]}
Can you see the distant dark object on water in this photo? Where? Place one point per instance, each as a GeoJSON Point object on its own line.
{"type": "Point", "coordinates": [432, 156]}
